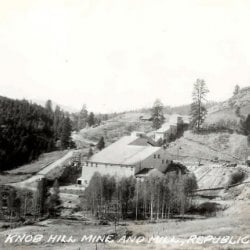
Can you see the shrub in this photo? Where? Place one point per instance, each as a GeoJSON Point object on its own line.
{"type": "Point", "coordinates": [104, 223]}
{"type": "Point", "coordinates": [28, 222]}
{"type": "Point", "coordinates": [129, 234]}
{"type": "Point", "coordinates": [5, 226]}
{"type": "Point", "coordinates": [76, 209]}
{"type": "Point", "coordinates": [221, 125]}
{"type": "Point", "coordinates": [140, 235]}
{"type": "Point", "coordinates": [237, 177]}
{"type": "Point", "coordinates": [206, 209]}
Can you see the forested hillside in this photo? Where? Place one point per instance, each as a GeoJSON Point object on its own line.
{"type": "Point", "coordinates": [27, 130]}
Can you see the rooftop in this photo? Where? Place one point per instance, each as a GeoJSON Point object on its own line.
{"type": "Point", "coordinates": [125, 152]}
{"type": "Point", "coordinates": [172, 122]}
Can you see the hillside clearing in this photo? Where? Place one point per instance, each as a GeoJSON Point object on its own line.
{"type": "Point", "coordinates": [26, 171]}
{"type": "Point", "coordinates": [221, 147]}
{"type": "Point", "coordinates": [227, 110]}
{"type": "Point", "coordinates": [49, 170]}
{"type": "Point", "coordinates": [115, 128]}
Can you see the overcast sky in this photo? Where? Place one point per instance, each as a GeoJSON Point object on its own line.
{"type": "Point", "coordinates": [122, 54]}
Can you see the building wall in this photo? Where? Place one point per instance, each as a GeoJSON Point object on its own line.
{"type": "Point", "coordinates": [175, 129]}
{"type": "Point", "coordinates": [159, 158]}
{"type": "Point", "coordinates": [119, 171]}
{"type": "Point", "coordinates": [155, 160]}
{"type": "Point", "coordinates": [164, 135]}
{"type": "Point", "coordinates": [181, 128]}
{"type": "Point", "coordinates": [158, 136]}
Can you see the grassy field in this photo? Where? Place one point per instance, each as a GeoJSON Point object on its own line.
{"type": "Point", "coordinates": [233, 222]}
{"type": "Point", "coordinates": [36, 166]}
{"type": "Point", "coordinates": [226, 110]}
{"type": "Point", "coordinates": [26, 171]}
{"type": "Point", "coordinates": [117, 127]}
{"type": "Point", "coordinates": [210, 147]}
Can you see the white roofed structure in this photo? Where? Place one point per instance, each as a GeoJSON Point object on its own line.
{"type": "Point", "coordinates": [125, 152]}
{"type": "Point", "coordinates": [121, 158]}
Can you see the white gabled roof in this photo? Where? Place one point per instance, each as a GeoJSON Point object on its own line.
{"type": "Point", "coordinates": [121, 152]}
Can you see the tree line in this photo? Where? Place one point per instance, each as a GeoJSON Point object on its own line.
{"type": "Point", "coordinates": [84, 119]}
{"type": "Point", "coordinates": [198, 110]}
{"type": "Point", "coordinates": [198, 113]}
{"type": "Point", "coordinates": [157, 196]}
{"type": "Point", "coordinates": [23, 204]}
{"type": "Point", "coordinates": [27, 130]}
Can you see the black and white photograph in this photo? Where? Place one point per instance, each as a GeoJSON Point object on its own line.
{"type": "Point", "coordinates": [124, 124]}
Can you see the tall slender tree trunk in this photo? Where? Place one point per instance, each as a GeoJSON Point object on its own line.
{"type": "Point", "coordinates": [162, 206]}
{"type": "Point", "coordinates": [151, 208]}
{"type": "Point", "coordinates": [25, 207]}
{"type": "Point", "coordinates": [158, 207]}
{"type": "Point", "coordinates": [136, 206]}
{"type": "Point", "coordinates": [169, 210]}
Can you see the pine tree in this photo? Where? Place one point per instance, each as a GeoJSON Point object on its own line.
{"type": "Point", "coordinates": [91, 119]}
{"type": "Point", "coordinates": [48, 106]}
{"type": "Point", "coordinates": [82, 118]}
{"type": "Point", "coordinates": [90, 153]}
{"type": "Point", "coordinates": [26, 131]}
{"type": "Point", "coordinates": [236, 89]}
{"type": "Point", "coordinates": [57, 122]}
{"type": "Point", "coordinates": [101, 144]}
{"type": "Point", "coordinates": [157, 114]}
{"type": "Point", "coordinates": [198, 109]}
{"type": "Point", "coordinates": [66, 133]}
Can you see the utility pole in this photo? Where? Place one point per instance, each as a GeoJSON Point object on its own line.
{"type": "Point", "coordinates": [178, 151]}
{"type": "Point", "coordinates": [136, 206]}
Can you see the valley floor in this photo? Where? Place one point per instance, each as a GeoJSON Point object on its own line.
{"type": "Point", "coordinates": [234, 222]}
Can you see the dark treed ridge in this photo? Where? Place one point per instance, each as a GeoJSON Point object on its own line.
{"type": "Point", "coordinates": [26, 131]}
